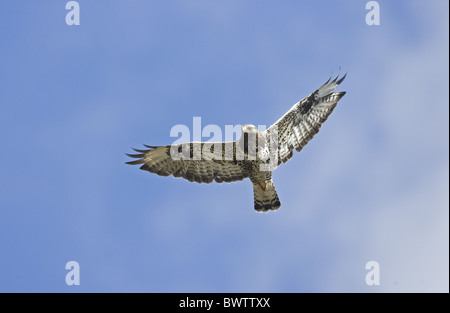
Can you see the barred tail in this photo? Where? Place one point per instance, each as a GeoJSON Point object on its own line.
{"type": "Point", "coordinates": [266, 197]}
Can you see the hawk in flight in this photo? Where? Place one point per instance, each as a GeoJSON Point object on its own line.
{"type": "Point", "coordinates": [255, 155]}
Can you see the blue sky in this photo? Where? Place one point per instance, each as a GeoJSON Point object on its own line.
{"type": "Point", "coordinates": [372, 185]}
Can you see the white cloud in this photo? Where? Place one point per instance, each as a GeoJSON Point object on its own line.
{"type": "Point", "coordinates": [405, 197]}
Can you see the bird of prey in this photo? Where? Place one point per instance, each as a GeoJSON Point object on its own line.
{"type": "Point", "coordinates": [255, 155]}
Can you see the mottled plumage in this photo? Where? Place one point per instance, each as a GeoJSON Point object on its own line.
{"type": "Point", "coordinates": [255, 155]}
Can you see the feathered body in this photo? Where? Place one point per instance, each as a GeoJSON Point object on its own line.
{"type": "Point", "coordinates": [255, 155]}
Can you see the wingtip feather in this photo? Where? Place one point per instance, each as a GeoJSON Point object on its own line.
{"type": "Point", "coordinates": [342, 79]}
{"type": "Point", "coordinates": [151, 147]}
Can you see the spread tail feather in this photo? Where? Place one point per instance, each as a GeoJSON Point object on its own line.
{"type": "Point", "coordinates": [265, 196]}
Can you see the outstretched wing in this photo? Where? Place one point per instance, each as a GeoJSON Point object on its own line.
{"type": "Point", "coordinates": [201, 162]}
{"type": "Point", "coordinates": [299, 125]}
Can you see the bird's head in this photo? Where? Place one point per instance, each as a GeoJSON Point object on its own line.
{"type": "Point", "coordinates": [252, 139]}
{"type": "Point", "coordinates": [249, 129]}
